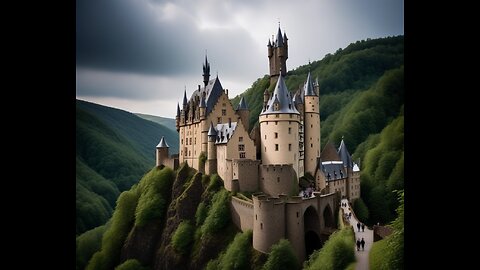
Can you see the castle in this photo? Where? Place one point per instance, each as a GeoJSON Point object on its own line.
{"type": "Point", "coordinates": [214, 138]}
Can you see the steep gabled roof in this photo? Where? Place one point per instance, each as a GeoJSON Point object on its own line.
{"type": "Point", "coordinates": [283, 97]}
{"type": "Point", "coordinates": [329, 153]}
{"type": "Point", "coordinates": [213, 90]}
{"type": "Point", "coordinates": [308, 87]}
{"type": "Point", "coordinates": [242, 105]}
{"type": "Point", "coordinates": [162, 143]}
{"type": "Point", "coordinates": [345, 155]}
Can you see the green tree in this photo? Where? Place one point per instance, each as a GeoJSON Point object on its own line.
{"type": "Point", "coordinates": [281, 257]}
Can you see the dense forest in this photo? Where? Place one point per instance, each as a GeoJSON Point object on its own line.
{"type": "Point", "coordinates": [180, 219]}
{"type": "Point", "coordinates": [114, 148]}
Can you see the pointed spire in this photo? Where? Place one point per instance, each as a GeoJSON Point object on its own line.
{"type": "Point", "coordinates": [344, 154]}
{"type": "Point", "coordinates": [242, 105]}
{"type": "Point", "coordinates": [279, 38]}
{"type": "Point", "coordinates": [162, 143]}
{"type": "Point", "coordinates": [308, 88]}
{"type": "Point", "coordinates": [212, 132]}
{"type": "Point", "coordinates": [185, 97]}
{"type": "Point", "coordinates": [269, 43]}
{"type": "Point", "coordinates": [178, 109]}
{"type": "Point", "coordinates": [280, 96]}
{"type": "Point", "coordinates": [206, 70]}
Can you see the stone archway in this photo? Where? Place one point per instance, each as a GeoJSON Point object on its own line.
{"type": "Point", "coordinates": [329, 221]}
{"type": "Point", "coordinates": [311, 229]}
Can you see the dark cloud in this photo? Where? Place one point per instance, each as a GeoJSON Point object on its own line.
{"type": "Point", "coordinates": [128, 36]}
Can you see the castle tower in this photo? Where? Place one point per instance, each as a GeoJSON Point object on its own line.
{"type": "Point", "coordinates": [206, 71]}
{"type": "Point", "coordinates": [162, 152]}
{"type": "Point", "coordinates": [266, 97]}
{"type": "Point", "coordinates": [277, 56]}
{"type": "Point", "coordinates": [311, 126]}
{"type": "Point", "coordinates": [268, 222]}
{"type": "Point", "coordinates": [211, 166]}
{"type": "Point", "coordinates": [244, 113]}
{"type": "Point", "coordinates": [279, 126]}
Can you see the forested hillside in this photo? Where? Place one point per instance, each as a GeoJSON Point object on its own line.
{"type": "Point", "coordinates": [361, 93]}
{"type": "Point", "coordinates": [114, 149]}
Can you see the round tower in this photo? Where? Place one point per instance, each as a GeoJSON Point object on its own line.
{"type": "Point", "coordinates": [162, 152]}
{"type": "Point", "coordinates": [279, 126]}
{"type": "Point", "coordinates": [311, 126]}
{"type": "Point", "coordinates": [244, 113]}
{"type": "Point", "coordinates": [268, 222]}
{"type": "Point", "coordinates": [211, 166]}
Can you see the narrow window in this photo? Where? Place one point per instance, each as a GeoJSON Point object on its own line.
{"type": "Point", "coordinates": [240, 139]}
{"type": "Point", "coordinates": [276, 135]}
{"type": "Point", "coordinates": [289, 147]}
{"type": "Point", "coordinates": [224, 112]}
{"type": "Point", "coordinates": [289, 130]}
{"type": "Point", "coordinates": [276, 147]}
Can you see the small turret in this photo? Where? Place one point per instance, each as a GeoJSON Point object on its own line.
{"type": "Point", "coordinates": [162, 152]}
{"type": "Point", "coordinates": [266, 97]}
{"type": "Point", "coordinates": [211, 166]}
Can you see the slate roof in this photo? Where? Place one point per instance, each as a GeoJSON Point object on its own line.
{"type": "Point", "coordinates": [284, 98]}
{"type": "Point", "coordinates": [162, 143]}
{"type": "Point", "coordinates": [308, 87]}
{"type": "Point", "coordinates": [242, 105]}
{"type": "Point", "coordinates": [345, 155]}
{"type": "Point", "coordinates": [213, 90]}
{"type": "Point", "coordinates": [225, 132]}
{"type": "Point", "coordinates": [329, 153]}
{"type": "Point", "coordinates": [212, 131]}
{"type": "Point", "coordinates": [333, 170]}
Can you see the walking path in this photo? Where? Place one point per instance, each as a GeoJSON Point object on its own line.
{"type": "Point", "coordinates": [362, 255]}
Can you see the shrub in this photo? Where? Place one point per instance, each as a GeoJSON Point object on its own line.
{"type": "Point", "coordinates": [237, 255]}
{"type": "Point", "coordinates": [201, 213]}
{"type": "Point", "coordinates": [219, 213]}
{"type": "Point", "coordinates": [337, 253]}
{"type": "Point", "coordinates": [183, 237]}
{"type": "Point", "coordinates": [361, 210]}
{"type": "Point", "coordinates": [281, 257]}
{"type": "Point", "coordinates": [156, 187]}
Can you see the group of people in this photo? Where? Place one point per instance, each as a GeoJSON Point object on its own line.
{"type": "Point", "coordinates": [308, 192]}
{"type": "Point", "coordinates": [360, 225]}
{"type": "Point", "coordinates": [360, 243]}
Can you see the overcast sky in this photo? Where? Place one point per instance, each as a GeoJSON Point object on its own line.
{"type": "Point", "coordinates": [138, 55]}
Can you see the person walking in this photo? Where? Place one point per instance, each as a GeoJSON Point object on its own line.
{"type": "Point", "coordinates": [358, 226]}
{"type": "Point", "coordinates": [358, 244]}
{"type": "Point", "coordinates": [363, 227]}
{"type": "Point", "coordinates": [363, 243]}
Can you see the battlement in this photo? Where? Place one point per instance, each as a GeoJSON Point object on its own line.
{"type": "Point", "coordinates": [277, 179]}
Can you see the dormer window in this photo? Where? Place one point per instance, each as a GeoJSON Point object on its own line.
{"type": "Point", "coordinates": [276, 106]}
